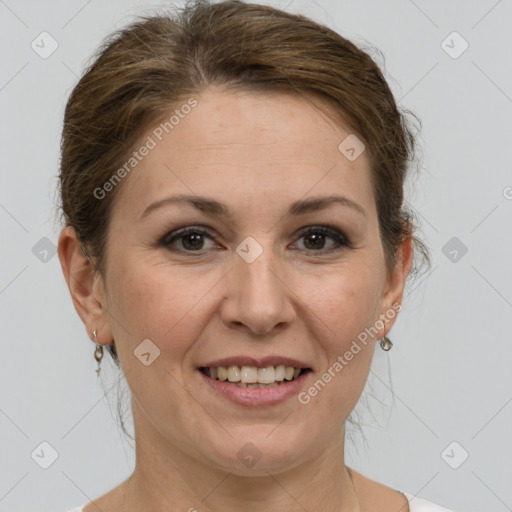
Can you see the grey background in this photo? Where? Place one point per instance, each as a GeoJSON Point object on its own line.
{"type": "Point", "coordinates": [450, 365]}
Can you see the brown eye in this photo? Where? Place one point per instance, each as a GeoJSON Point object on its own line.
{"type": "Point", "coordinates": [315, 239]}
{"type": "Point", "coordinates": [188, 240]}
{"type": "Point", "coordinates": [320, 239]}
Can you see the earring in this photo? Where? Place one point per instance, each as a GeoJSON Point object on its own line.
{"type": "Point", "coordinates": [385, 344]}
{"type": "Point", "coordinates": [98, 352]}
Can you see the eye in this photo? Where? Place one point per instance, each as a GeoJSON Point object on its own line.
{"type": "Point", "coordinates": [315, 239]}
{"type": "Point", "coordinates": [190, 239]}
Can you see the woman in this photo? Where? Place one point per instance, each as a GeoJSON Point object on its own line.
{"type": "Point", "coordinates": [232, 188]}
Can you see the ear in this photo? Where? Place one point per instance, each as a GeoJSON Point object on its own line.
{"type": "Point", "coordinates": [394, 289]}
{"type": "Point", "coordinates": [85, 285]}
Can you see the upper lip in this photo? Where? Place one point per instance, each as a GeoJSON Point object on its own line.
{"type": "Point", "coordinates": [255, 361]}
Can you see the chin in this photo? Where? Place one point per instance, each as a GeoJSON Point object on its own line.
{"type": "Point", "coordinates": [260, 450]}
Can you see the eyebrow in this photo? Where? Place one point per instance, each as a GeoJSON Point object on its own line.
{"type": "Point", "coordinates": [213, 208]}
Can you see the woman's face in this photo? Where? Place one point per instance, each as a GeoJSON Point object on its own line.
{"type": "Point", "coordinates": [257, 281]}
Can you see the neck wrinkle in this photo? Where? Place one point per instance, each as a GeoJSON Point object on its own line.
{"type": "Point", "coordinates": [162, 482]}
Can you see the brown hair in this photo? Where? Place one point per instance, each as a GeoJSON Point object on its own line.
{"type": "Point", "coordinates": [143, 71]}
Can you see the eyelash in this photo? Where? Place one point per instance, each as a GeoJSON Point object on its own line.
{"type": "Point", "coordinates": [332, 233]}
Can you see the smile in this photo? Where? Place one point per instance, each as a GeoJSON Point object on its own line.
{"type": "Point", "coordinates": [251, 386]}
{"type": "Point", "coordinates": [252, 376]}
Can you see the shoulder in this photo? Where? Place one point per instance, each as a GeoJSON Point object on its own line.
{"type": "Point", "coordinates": [422, 505]}
{"type": "Point", "coordinates": [377, 497]}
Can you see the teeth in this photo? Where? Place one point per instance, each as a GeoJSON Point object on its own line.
{"type": "Point", "coordinates": [280, 371]}
{"type": "Point", "coordinates": [244, 385]}
{"type": "Point", "coordinates": [233, 374]}
{"type": "Point", "coordinates": [249, 374]}
{"type": "Point", "coordinates": [253, 377]}
{"type": "Point", "coordinates": [266, 375]}
{"type": "Point", "coordinates": [288, 373]}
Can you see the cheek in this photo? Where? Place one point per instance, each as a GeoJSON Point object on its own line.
{"type": "Point", "coordinates": [334, 392]}
{"type": "Point", "coordinates": [342, 307]}
{"type": "Point", "coordinates": [158, 302]}
{"type": "Point", "coordinates": [344, 302]}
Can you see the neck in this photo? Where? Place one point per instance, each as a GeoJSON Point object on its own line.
{"type": "Point", "coordinates": [167, 478]}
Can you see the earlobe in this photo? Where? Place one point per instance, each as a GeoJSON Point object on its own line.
{"type": "Point", "coordinates": [81, 279]}
{"type": "Point", "coordinates": [392, 298]}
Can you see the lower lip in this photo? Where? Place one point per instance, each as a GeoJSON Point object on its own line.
{"type": "Point", "coordinates": [256, 397]}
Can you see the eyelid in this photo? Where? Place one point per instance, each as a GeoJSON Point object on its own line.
{"type": "Point", "coordinates": [323, 228]}
{"type": "Point", "coordinates": [180, 232]}
{"type": "Point", "coordinates": [333, 232]}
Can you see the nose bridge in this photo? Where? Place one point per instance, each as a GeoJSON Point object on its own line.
{"type": "Point", "coordinates": [258, 297]}
{"type": "Point", "coordinates": [256, 271]}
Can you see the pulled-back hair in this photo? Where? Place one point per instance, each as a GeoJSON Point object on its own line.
{"type": "Point", "coordinates": [144, 71]}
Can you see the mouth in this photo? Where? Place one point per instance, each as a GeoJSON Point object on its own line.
{"type": "Point", "coordinates": [254, 376]}
{"type": "Point", "coordinates": [253, 381]}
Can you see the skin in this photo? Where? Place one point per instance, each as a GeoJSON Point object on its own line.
{"type": "Point", "coordinates": [256, 153]}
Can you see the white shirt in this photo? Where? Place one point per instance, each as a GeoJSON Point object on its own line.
{"type": "Point", "coordinates": [415, 505]}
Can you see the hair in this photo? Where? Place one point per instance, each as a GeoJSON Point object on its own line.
{"type": "Point", "coordinates": [142, 72]}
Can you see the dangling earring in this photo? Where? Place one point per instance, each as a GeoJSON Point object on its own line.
{"type": "Point", "coordinates": [98, 352]}
{"type": "Point", "coordinates": [385, 344]}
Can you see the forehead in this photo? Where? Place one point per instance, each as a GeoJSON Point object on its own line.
{"type": "Point", "coordinates": [248, 149]}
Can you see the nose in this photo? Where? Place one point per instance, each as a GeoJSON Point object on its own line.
{"type": "Point", "coordinates": [258, 299]}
